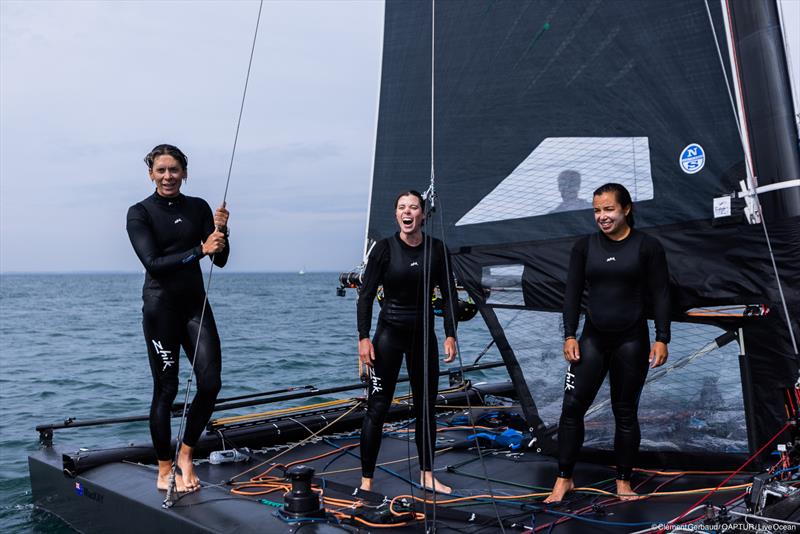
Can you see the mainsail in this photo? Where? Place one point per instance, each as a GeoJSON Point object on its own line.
{"type": "Point", "coordinates": [536, 104]}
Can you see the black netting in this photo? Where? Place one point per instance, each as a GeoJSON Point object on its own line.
{"type": "Point", "coordinates": [691, 404]}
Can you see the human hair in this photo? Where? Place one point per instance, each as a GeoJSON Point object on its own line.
{"type": "Point", "coordinates": [622, 195]}
{"type": "Point", "coordinates": [411, 192]}
{"type": "Point", "coordinates": [166, 150]}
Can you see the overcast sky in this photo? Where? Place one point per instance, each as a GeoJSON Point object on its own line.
{"type": "Point", "coordinates": [87, 88]}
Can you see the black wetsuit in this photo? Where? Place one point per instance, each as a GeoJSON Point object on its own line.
{"type": "Point", "coordinates": [399, 267]}
{"type": "Point", "coordinates": [166, 234]}
{"type": "Point", "coordinates": [621, 277]}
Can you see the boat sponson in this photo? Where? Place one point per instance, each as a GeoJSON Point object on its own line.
{"type": "Point", "coordinates": [266, 432]}
{"type": "Point", "coordinates": [120, 497]}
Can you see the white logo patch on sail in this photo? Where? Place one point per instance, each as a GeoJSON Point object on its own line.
{"type": "Point", "coordinates": [560, 175]}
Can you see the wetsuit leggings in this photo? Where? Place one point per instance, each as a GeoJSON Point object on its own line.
{"type": "Point", "coordinates": [624, 356]}
{"type": "Point", "coordinates": [168, 326]}
{"type": "Point", "coordinates": [390, 344]}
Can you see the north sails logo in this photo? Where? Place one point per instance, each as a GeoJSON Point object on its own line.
{"type": "Point", "coordinates": [178, 220]}
{"type": "Point", "coordinates": [376, 384]}
{"type": "Point", "coordinates": [166, 358]}
{"type": "Point", "coordinates": [612, 258]}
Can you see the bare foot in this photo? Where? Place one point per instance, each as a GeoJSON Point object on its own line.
{"type": "Point", "coordinates": [429, 482]}
{"type": "Point", "coordinates": [164, 472]}
{"type": "Point", "coordinates": [625, 491]}
{"type": "Point", "coordinates": [366, 484]}
{"type": "Point", "coordinates": [190, 479]}
{"type": "Point", "coordinates": [560, 489]}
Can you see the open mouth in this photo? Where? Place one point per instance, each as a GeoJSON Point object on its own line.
{"type": "Point", "coordinates": [407, 221]}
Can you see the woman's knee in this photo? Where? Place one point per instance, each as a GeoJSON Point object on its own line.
{"type": "Point", "coordinates": [209, 386]}
{"type": "Point", "coordinates": [166, 391]}
{"type": "Point", "coordinates": [573, 408]}
{"type": "Point", "coordinates": [377, 408]}
{"type": "Point", "coordinates": [625, 414]}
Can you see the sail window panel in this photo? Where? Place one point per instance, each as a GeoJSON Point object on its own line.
{"type": "Point", "coordinates": [561, 174]}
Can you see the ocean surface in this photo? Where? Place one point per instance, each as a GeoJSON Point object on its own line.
{"type": "Point", "coordinates": [71, 345]}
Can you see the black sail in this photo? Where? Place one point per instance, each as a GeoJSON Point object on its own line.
{"type": "Point", "coordinates": [537, 103]}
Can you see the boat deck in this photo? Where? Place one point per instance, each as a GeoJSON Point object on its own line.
{"type": "Point", "coordinates": [489, 486]}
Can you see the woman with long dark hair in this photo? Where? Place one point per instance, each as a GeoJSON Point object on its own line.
{"type": "Point", "coordinates": [171, 233]}
{"type": "Point", "coordinates": [398, 263]}
{"type": "Point", "coordinates": [622, 269]}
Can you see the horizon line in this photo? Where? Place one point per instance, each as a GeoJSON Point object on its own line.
{"type": "Point", "coordinates": [112, 271]}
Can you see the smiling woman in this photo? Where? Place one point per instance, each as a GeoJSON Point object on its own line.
{"type": "Point", "coordinates": [620, 267]}
{"type": "Point", "coordinates": [170, 233]}
{"type": "Point", "coordinates": [167, 168]}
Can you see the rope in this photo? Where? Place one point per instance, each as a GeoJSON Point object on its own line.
{"type": "Point", "coordinates": [168, 502]}
{"type": "Point", "coordinates": [427, 439]}
{"type": "Point", "coordinates": [710, 493]}
{"type": "Point", "coordinates": [749, 164]}
{"type": "Point", "coordinates": [452, 306]}
{"type": "Point", "coordinates": [299, 443]}
{"type": "Point", "coordinates": [427, 259]}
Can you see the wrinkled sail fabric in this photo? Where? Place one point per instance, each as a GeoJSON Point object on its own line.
{"type": "Point", "coordinates": [537, 103]}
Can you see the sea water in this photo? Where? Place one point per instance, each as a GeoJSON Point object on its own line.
{"type": "Point", "coordinates": [71, 345]}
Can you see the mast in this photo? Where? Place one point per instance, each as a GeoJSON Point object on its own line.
{"type": "Point", "coordinates": [767, 112]}
{"type": "Point", "coordinates": [770, 140]}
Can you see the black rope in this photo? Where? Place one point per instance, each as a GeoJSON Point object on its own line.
{"type": "Point", "coordinates": [168, 502]}
{"type": "Point", "coordinates": [451, 304]}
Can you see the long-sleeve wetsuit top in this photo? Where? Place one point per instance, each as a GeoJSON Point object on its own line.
{"type": "Point", "coordinates": [166, 234]}
{"type": "Point", "coordinates": [619, 275]}
{"type": "Point", "coordinates": [399, 267]}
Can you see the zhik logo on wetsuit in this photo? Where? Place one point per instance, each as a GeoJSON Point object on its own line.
{"type": "Point", "coordinates": [569, 380]}
{"type": "Point", "coordinates": [376, 384]}
{"type": "Point", "coordinates": [165, 354]}
{"type": "Point", "coordinates": [414, 264]}
{"type": "Point", "coordinates": [612, 258]}
{"type": "Point", "coordinates": [178, 220]}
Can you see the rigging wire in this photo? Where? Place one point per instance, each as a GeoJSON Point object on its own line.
{"type": "Point", "coordinates": [748, 163]}
{"type": "Point", "coordinates": [431, 199]}
{"type": "Point", "coordinates": [427, 439]}
{"type": "Point", "coordinates": [172, 482]}
{"type": "Point", "coordinates": [452, 305]}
